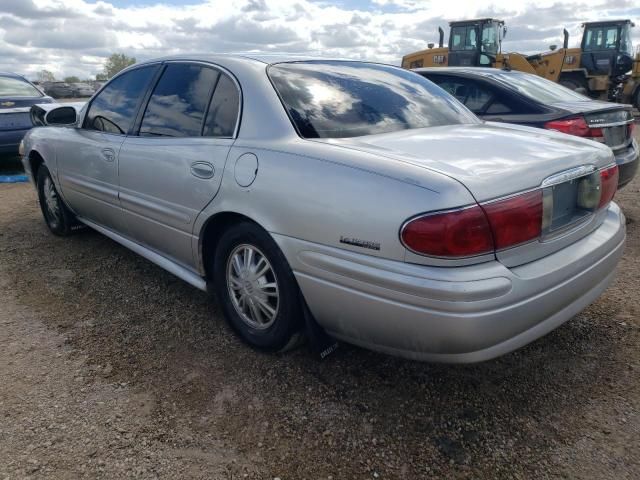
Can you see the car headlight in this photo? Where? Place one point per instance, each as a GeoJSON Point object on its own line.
{"type": "Point", "coordinates": [21, 148]}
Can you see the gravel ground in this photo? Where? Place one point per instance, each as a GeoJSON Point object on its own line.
{"type": "Point", "coordinates": [112, 368]}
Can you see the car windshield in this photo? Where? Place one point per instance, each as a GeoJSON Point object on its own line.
{"type": "Point", "coordinates": [16, 87]}
{"type": "Point", "coordinates": [339, 99]}
{"type": "Point", "coordinates": [626, 45]}
{"type": "Point", "coordinates": [538, 88]}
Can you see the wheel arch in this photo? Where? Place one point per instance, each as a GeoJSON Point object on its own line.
{"type": "Point", "coordinates": [210, 234]}
{"type": "Point", "coordinates": [36, 160]}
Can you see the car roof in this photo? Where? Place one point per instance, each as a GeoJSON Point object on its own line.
{"type": "Point", "coordinates": [266, 58]}
{"type": "Point", "coordinates": [12, 75]}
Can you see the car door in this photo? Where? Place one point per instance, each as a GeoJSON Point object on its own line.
{"type": "Point", "coordinates": [172, 168]}
{"type": "Point", "coordinates": [88, 156]}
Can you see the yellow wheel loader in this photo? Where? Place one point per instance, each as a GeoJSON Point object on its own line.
{"type": "Point", "coordinates": [604, 67]}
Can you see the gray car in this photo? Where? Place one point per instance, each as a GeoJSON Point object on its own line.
{"type": "Point", "coordinates": [358, 192]}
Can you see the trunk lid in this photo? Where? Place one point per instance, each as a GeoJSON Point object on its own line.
{"type": "Point", "coordinates": [14, 112]}
{"type": "Point", "coordinates": [491, 160]}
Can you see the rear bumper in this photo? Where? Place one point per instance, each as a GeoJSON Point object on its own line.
{"type": "Point", "coordinates": [627, 161]}
{"type": "Point", "coordinates": [10, 139]}
{"type": "Point", "coordinates": [457, 315]}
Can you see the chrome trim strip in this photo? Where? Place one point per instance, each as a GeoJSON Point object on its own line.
{"type": "Point", "coordinates": [568, 175]}
{"type": "Point", "coordinates": [15, 110]}
{"type": "Point", "coordinates": [613, 124]}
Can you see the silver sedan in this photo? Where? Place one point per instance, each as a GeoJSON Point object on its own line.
{"type": "Point", "coordinates": [358, 192]}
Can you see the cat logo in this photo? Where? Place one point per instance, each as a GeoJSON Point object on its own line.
{"type": "Point", "coordinates": [7, 104]}
{"type": "Point", "coordinates": [439, 59]}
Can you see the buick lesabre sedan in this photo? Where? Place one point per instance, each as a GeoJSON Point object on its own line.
{"type": "Point", "coordinates": [361, 191]}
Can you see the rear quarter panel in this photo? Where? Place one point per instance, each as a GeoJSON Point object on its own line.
{"type": "Point", "coordinates": [301, 195]}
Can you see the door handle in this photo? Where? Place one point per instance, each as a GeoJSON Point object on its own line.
{"type": "Point", "coordinates": [202, 170]}
{"type": "Point", "coordinates": [108, 154]}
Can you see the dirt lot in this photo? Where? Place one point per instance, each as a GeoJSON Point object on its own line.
{"type": "Point", "coordinates": [112, 368]}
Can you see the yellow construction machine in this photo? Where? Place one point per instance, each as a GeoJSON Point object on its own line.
{"type": "Point", "coordinates": [604, 67]}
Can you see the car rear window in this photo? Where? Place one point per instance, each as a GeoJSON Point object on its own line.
{"type": "Point", "coordinates": [339, 99]}
{"type": "Point", "coordinates": [538, 88]}
{"type": "Point", "coordinates": [16, 87]}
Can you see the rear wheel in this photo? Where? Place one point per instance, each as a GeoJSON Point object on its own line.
{"type": "Point", "coordinates": [256, 288]}
{"type": "Point", "coordinates": [56, 215]}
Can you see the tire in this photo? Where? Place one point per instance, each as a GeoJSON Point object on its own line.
{"type": "Point", "coordinates": [575, 83]}
{"type": "Point", "coordinates": [265, 311]}
{"type": "Point", "coordinates": [57, 216]}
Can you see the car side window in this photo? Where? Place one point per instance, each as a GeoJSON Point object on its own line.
{"type": "Point", "coordinates": [224, 109]}
{"type": "Point", "coordinates": [115, 107]}
{"type": "Point", "coordinates": [179, 101]}
{"type": "Point", "coordinates": [473, 96]}
{"type": "Point", "coordinates": [496, 108]}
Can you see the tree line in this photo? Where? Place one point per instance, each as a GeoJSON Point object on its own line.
{"type": "Point", "coordinates": [115, 63]}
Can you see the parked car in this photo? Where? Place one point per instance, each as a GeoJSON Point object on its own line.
{"type": "Point", "coordinates": [83, 89]}
{"type": "Point", "coordinates": [361, 191]}
{"type": "Point", "coordinates": [60, 90]}
{"type": "Point", "coordinates": [526, 99]}
{"type": "Point", "coordinates": [17, 95]}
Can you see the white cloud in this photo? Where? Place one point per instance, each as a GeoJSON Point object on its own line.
{"type": "Point", "coordinates": [73, 37]}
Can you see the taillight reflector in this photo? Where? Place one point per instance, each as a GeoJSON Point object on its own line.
{"type": "Point", "coordinates": [515, 220]}
{"type": "Point", "coordinates": [457, 233]}
{"type": "Point", "coordinates": [608, 185]}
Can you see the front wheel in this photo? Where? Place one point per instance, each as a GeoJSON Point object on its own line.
{"type": "Point", "coordinates": [56, 215]}
{"type": "Point", "coordinates": [256, 288]}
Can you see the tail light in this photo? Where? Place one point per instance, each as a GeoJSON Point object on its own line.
{"type": "Point", "coordinates": [515, 220]}
{"type": "Point", "coordinates": [608, 185]}
{"type": "Point", "coordinates": [499, 224]}
{"type": "Point", "coordinates": [575, 126]}
{"type": "Point", "coordinates": [456, 233]}
{"type": "Point", "coordinates": [631, 129]}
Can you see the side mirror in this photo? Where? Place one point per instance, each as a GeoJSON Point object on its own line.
{"type": "Point", "coordinates": [54, 115]}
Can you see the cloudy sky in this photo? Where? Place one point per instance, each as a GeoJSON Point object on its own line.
{"type": "Point", "coordinates": [73, 37]}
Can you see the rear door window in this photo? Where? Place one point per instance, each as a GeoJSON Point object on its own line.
{"type": "Point", "coordinates": [115, 107]}
{"type": "Point", "coordinates": [224, 109]}
{"type": "Point", "coordinates": [16, 87]}
{"type": "Point", "coordinates": [179, 101]}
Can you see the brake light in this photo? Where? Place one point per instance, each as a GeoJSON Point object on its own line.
{"type": "Point", "coordinates": [608, 185]}
{"type": "Point", "coordinates": [457, 233]}
{"type": "Point", "coordinates": [515, 220]}
{"type": "Point", "coordinates": [631, 129]}
{"type": "Point", "coordinates": [575, 126]}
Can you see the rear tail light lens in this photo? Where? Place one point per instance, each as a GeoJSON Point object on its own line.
{"type": "Point", "coordinates": [515, 220]}
{"type": "Point", "coordinates": [457, 233]}
{"type": "Point", "coordinates": [501, 224]}
{"type": "Point", "coordinates": [632, 128]}
{"type": "Point", "coordinates": [608, 185]}
{"type": "Point", "coordinates": [575, 126]}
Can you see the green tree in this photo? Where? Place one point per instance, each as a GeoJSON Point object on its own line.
{"type": "Point", "coordinates": [46, 76]}
{"type": "Point", "coordinates": [117, 62]}
{"type": "Point", "coordinates": [72, 79]}
{"type": "Point", "coordinates": [101, 77]}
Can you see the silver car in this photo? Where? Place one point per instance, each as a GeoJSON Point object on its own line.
{"type": "Point", "coordinates": [359, 192]}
